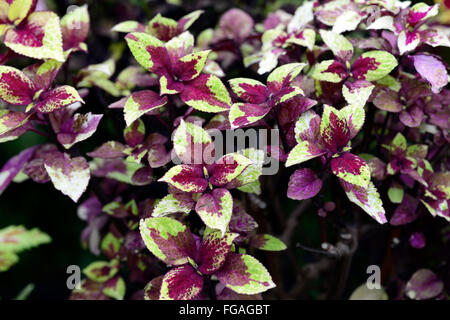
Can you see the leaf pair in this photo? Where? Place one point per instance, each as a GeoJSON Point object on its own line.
{"type": "Point", "coordinates": [259, 98]}
{"type": "Point", "coordinates": [17, 88]}
{"type": "Point", "coordinates": [369, 66]}
{"type": "Point", "coordinates": [201, 173]}
{"type": "Point", "coordinates": [179, 70]}
{"type": "Point", "coordinates": [102, 282]}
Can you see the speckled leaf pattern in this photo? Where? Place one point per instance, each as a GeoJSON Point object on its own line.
{"type": "Point", "coordinates": [15, 87]}
{"type": "Point", "coordinates": [366, 198]}
{"type": "Point", "coordinates": [58, 98]}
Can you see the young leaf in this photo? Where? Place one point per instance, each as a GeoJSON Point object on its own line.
{"type": "Point", "coordinates": [366, 198]}
{"type": "Point", "coordinates": [101, 271]}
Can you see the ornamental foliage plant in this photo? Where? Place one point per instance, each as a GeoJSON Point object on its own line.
{"type": "Point", "coordinates": [134, 113]}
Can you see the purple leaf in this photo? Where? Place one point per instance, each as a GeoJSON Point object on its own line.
{"type": "Point", "coordinates": [303, 184]}
{"type": "Point", "coordinates": [78, 128]}
{"type": "Point", "coordinates": [417, 240]}
{"type": "Point", "coordinates": [432, 70]}
{"type": "Point", "coordinates": [406, 212]}
{"type": "Point", "coordinates": [424, 284]}
{"type": "Point", "coordinates": [13, 167]}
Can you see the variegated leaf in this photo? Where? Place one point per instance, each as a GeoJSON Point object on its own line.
{"type": "Point", "coordinates": [168, 239]}
{"type": "Point", "coordinates": [181, 283]}
{"type": "Point", "coordinates": [16, 87]}
{"type": "Point", "coordinates": [173, 203]}
{"type": "Point", "coordinates": [330, 71]}
{"type": "Point", "coordinates": [213, 251]}
{"type": "Point", "coordinates": [366, 198]}
{"type": "Point", "coordinates": [141, 102]}
{"type": "Point", "coordinates": [249, 90]}
{"type": "Point", "coordinates": [206, 93]}
{"type": "Point", "coordinates": [215, 209]}
{"type": "Point", "coordinates": [244, 274]}
{"type": "Point", "coordinates": [267, 242]}
{"type": "Point", "coordinates": [40, 37]}
{"type": "Point", "coordinates": [338, 44]}
{"type": "Point", "coordinates": [351, 169]}
{"type": "Point", "coordinates": [373, 65]}
{"type": "Point", "coordinates": [57, 98]}
{"type": "Point", "coordinates": [244, 114]}
{"type": "Point", "coordinates": [187, 178]}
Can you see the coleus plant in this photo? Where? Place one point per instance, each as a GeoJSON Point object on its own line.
{"type": "Point", "coordinates": [207, 179]}
{"type": "Point", "coordinates": [197, 260]}
{"type": "Point", "coordinates": [356, 89]}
